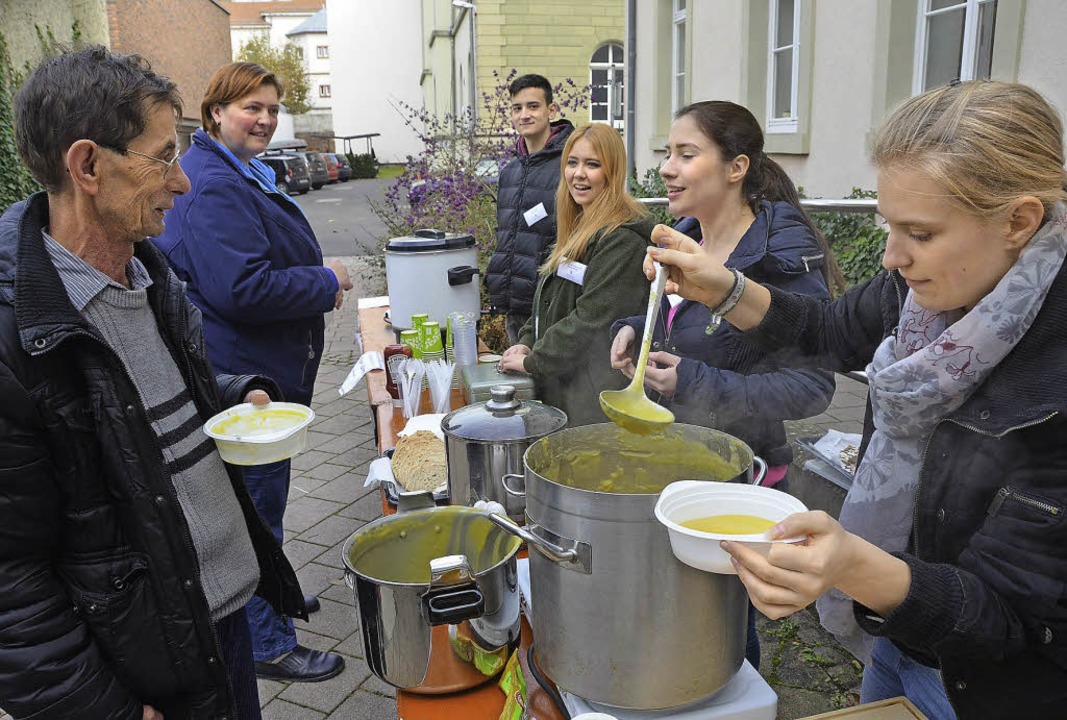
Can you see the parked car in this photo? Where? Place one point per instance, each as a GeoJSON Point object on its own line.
{"type": "Point", "coordinates": [317, 167]}
{"type": "Point", "coordinates": [332, 167]}
{"type": "Point", "coordinates": [344, 169]}
{"type": "Point", "coordinates": [291, 174]}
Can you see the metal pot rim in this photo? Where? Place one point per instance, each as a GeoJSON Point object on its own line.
{"type": "Point", "coordinates": [447, 509]}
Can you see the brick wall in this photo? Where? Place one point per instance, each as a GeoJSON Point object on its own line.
{"type": "Point", "coordinates": [187, 40]}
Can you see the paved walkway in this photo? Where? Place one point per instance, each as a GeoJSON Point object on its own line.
{"type": "Point", "coordinates": [328, 502]}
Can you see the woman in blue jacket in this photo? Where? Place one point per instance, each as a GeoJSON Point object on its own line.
{"type": "Point", "coordinates": [744, 210]}
{"type": "Point", "coordinates": [254, 268]}
{"type": "Point", "coordinates": [949, 564]}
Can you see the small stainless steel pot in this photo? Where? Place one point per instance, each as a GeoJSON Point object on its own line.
{"type": "Point", "coordinates": [437, 597]}
{"type": "Point", "coordinates": [486, 441]}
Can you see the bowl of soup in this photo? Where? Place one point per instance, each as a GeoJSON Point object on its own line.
{"type": "Point", "coordinates": [248, 434]}
{"type": "Point", "coordinates": [699, 515]}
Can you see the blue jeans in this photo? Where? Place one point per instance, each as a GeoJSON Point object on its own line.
{"type": "Point", "coordinates": [892, 674]}
{"type": "Point", "coordinates": [752, 652]}
{"type": "Point", "coordinates": [272, 636]}
{"type": "Point", "coordinates": [236, 645]}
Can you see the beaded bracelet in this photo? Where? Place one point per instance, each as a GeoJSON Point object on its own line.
{"type": "Point", "coordinates": [731, 300]}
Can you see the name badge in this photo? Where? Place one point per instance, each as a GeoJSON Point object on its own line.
{"type": "Point", "coordinates": [535, 214]}
{"type": "Point", "coordinates": [573, 271]}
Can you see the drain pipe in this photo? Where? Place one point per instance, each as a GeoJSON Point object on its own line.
{"type": "Point", "coordinates": [631, 87]}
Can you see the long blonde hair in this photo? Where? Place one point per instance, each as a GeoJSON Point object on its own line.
{"type": "Point", "coordinates": [986, 142]}
{"type": "Point", "coordinates": [575, 226]}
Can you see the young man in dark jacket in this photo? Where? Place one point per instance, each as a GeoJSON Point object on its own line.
{"type": "Point", "coordinates": [526, 201]}
{"type": "Point", "coordinates": [128, 549]}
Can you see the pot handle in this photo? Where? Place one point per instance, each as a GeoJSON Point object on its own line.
{"type": "Point", "coordinates": [757, 477]}
{"type": "Point", "coordinates": [507, 488]}
{"type": "Point", "coordinates": [453, 606]}
{"type": "Point", "coordinates": [553, 551]}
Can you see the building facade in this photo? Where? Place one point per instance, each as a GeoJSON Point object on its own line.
{"type": "Point", "coordinates": [378, 45]}
{"type": "Point", "coordinates": [199, 32]}
{"type": "Point", "coordinates": [821, 75]}
{"type": "Point", "coordinates": [464, 43]}
{"type": "Point", "coordinates": [311, 40]}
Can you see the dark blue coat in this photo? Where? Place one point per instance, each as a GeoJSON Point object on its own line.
{"type": "Point", "coordinates": [727, 383]}
{"type": "Point", "coordinates": [254, 267]}
{"type": "Point", "coordinates": [101, 607]}
{"type": "Point", "coordinates": [514, 268]}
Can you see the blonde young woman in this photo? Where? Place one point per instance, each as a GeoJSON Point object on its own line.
{"type": "Point", "coordinates": [592, 277]}
{"type": "Point", "coordinates": [951, 551]}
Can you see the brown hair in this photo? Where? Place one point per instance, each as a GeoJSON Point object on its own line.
{"type": "Point", "coordinates": [88, 94]}
{"type": "Point", "coordinates": [232, 82]}
{"type": "Point", "coordinates": [735, 130]}
{"type": "Point", "coordinates": [986, 142]}
{"type": "Point", "coordinates": [575, 226]}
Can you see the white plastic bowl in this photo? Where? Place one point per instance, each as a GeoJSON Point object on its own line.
{"type": "Point", "coordinates": [249, 434]}
{"type": "Point", "coordinates": [689, 499]}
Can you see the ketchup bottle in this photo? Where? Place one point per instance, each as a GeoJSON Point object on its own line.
{"type": "Point", "coordinates": [393, 354]}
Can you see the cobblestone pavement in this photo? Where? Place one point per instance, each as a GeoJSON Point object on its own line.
{"type": "Point", "coordinates": [327, 503]}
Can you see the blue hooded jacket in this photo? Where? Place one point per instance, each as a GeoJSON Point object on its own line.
{"type": "Point", "coordinates": [253, 266]}
{"type": "Point", "coordinates": [726, 382]}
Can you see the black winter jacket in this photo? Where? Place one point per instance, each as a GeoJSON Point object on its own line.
{"type": "Point", "coordinates": [101, 608]}
{"type": "Point", "coordinates": [988, 553]}
{"type": "Point", "coordinates": [730, 384]}
{"type": "Point", "coordinates": [521, 249]}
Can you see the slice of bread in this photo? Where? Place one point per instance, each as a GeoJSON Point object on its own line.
{"type": "Point", "coordinates": [419, 461]}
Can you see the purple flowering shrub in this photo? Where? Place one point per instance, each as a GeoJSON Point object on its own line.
{"type": "Point", "coordinates": [451, 184]}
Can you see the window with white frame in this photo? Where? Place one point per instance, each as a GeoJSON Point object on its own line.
{"type": "Point", "coordinates": [783, 66]}
{"type": "Point", "coordinates": [679, 56]}
{"type": "Point", "coordinates": [324, 91]}
{"type": "Point", "coordinates": [322, 52]}
{"type": "Point", "coordinates": [606, 85]}
{"type": "Point", "coordinates": [953, 40]}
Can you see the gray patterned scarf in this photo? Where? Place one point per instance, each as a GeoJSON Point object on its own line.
{"type": "Point", "coordinates": [935, 361]}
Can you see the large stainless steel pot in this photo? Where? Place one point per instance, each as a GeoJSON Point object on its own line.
{"type": "Point", "coordinates": [617, 619]}
{"type": "Point", "coordinates": [437, 597]}
{"type": "Point", "coordinates": [486, 441]}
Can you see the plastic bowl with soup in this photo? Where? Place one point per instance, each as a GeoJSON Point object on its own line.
{"type": "Point", "coordinates": [249, 434]}
{"type": "Point", "coordinates": [699, 515]}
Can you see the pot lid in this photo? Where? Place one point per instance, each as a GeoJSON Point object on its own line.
{"type": "Point", "coordinates": [426, 240]}
{"type": "Point", "coordinates": [503, 417]}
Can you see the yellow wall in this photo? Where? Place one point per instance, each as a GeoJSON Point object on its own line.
{"type": "Point", "coordinates": [19, 17]}
{"type": "Point", "coordinates": [554, 38]}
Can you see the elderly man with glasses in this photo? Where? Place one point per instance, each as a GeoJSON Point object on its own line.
{"type": "Point", "coordinates": [128, 549]}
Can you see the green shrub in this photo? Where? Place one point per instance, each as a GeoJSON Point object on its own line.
{"type": "Point", "coordinates": [364, 165]}
{"type": "Point", "coordinates": [15, 180]}
{"type": "Point", "coordinates": [652, 187]}
{"type": "Point", "coordinates": [857, 239]}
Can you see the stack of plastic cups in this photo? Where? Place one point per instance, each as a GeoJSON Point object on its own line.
{"type": "Point", "coordinates": [464, 341]}
{"type": "Point", "coordinates": [411, 339]}
{"type": "Point", "coordinates": [432, 348]}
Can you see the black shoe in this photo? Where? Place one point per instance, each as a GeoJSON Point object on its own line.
{"type": "Point", "coordinates": [302, 665]}
{"type": "Point", "coordinates": [311, 604]}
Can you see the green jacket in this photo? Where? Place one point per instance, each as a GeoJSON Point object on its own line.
{"type": "Point", "coordinates": [569, 330]}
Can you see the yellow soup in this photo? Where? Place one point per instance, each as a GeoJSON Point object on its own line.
{"type": "Point", "coordinates": [730, 524]}
{"type": "Point", "coordinates": [259, 422]}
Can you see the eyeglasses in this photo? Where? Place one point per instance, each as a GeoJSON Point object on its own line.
{"type": "Point", "coordinates": [168, 164]}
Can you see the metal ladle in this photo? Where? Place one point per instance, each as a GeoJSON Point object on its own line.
{"type": "Point", "coordinates": [630, 408]}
